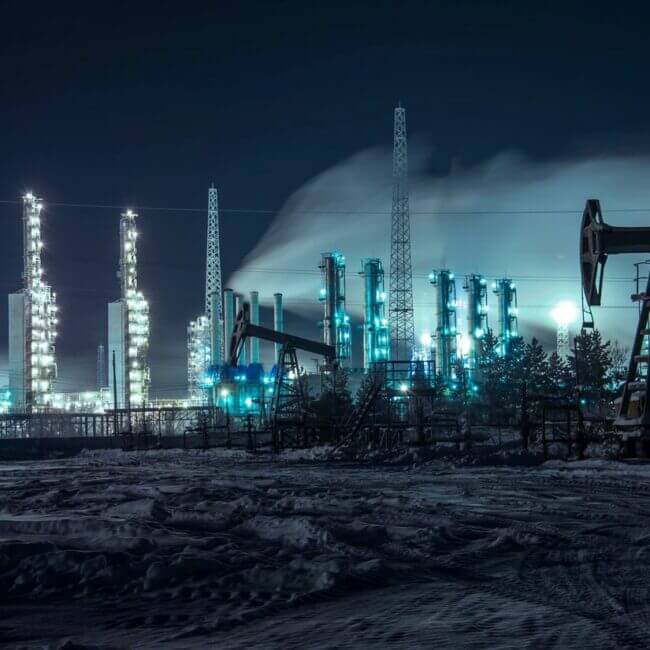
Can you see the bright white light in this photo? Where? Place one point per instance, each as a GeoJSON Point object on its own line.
{"type": "Point", "coordinates": [249, 402]}
{"type": "Point", "coordinates": [224, 392]}
{"type": "Point", "coordinates": [565, 313]}
{"type": "Point", "coordinates": [425, 339]}
{"type": "Point", "coordinates": [404, 388]}
{"type": "Point", "coordinates": [465, 344]}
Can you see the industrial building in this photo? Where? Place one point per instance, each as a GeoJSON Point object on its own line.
{"type": "Point", "coordinates": [128, 326]}
{"type": "Point", "coordinates": [32, 322]}
{"type": "Point", "coordinates": [507, 313]}
{"type": "Point", "coordinates": [445, 335]}
{"type": "Point", "coordinates": [243, 387]}
{"type": "Point", "coordinates": [376, 335]}
{"type": "Point", "coordinates": [336, 321]}
{"type": "Point", "coordinates": [477, 319]}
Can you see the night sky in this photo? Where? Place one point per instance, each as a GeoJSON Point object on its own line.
{"type": "Point", "coordinates": [143, 105]}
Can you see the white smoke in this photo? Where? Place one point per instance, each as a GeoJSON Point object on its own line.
{"type": "Point", "coordinates": [347, 208]}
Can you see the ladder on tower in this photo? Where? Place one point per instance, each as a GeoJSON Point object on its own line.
{"type": "Point", "coordinates": [634, 416]}
{"type": "Point", "coordinates": [353, 423]}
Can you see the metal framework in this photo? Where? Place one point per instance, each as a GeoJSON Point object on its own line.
{"type": "Point", "coordinates": [200, 332]}
{"type": "Point", "coordinates": [401, 277]}
{"type": "Point", "coordinates": [289, 408]}
{"type": "Point", "coordinates": [598, 240]}
{"type": "Point", "coordinates": [136, 321]}
{"type": "Point", "coordinates": [39, 314]}
{"type": "Point", "coordinates": [213, 254]}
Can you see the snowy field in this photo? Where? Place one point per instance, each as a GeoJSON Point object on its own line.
{"type": "Point", "coordinates": [215, 550]}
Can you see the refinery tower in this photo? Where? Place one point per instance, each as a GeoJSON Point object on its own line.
{"type": "Point", "coordinates": [128, 326]}
{"type": "Point", "coordinates": [32, 322]}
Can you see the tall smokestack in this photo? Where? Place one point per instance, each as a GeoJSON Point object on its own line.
{"type": "Point", "coordinates": [228, 320]}
{"type": "Point", "coordinates": [255, 320]}
{"type": "Point", "coordinates": [278, 320]}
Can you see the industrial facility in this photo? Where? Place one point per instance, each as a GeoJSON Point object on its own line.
{"type": "Point", "coordinates": [242, 387]}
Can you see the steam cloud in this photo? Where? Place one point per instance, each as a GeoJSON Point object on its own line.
{"type": "Point", "coordinates": [540, 251]}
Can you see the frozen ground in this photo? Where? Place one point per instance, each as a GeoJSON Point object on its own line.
{"type": "Point", "coordinates": [188, 549]}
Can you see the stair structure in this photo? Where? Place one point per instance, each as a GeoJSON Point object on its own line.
{"type": "Point", "coordinates": [353, 423]}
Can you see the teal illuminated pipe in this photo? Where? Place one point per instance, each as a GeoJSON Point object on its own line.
{"type": "Point", "coordinates": [444, 337]}
{"type": "Point", "coordinates": [375, 326]}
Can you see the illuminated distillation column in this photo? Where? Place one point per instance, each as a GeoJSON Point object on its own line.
{"type": "Point", "coordinates": [444, 337]}
{"type": "Point", "coordinates": [477, 316]}
{"type": "Point", "coordinates": [376, 343]}
{"type": "Point", "coordinates": [506, 293]}
{"type": "Point", "coordinates": [136, 335]}
{"type": "Point", "coordinates": [39, 313]}
{"type": "Point", "coordinates": [336, 322]}
{"type": "Point", "coordinates": [199, 351]}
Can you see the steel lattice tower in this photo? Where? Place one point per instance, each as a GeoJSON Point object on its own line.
{"type": "Point", "coordinates": [401, 279]}
{"type": "Point", "coordinates": [213, 255]}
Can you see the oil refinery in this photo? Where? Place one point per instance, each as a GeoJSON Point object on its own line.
{"type": "Point", "coordinates": [243, 386]}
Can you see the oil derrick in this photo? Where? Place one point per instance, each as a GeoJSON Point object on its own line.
{"type": "Point", "coordinates": [401, 277]}
{"type": "Point", "coordinates": [289, 402]}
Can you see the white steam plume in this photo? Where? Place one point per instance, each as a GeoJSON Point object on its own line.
{"type": "Point", "coordinates": [347, 208]}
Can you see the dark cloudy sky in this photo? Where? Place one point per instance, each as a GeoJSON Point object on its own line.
{"type": "Point", "coordinates": [144, 104]}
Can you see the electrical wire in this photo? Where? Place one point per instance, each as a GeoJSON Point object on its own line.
{"type": "Point", "coordinates": [267, 211]}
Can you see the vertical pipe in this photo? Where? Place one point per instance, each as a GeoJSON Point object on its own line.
{"type": "Point", "coordinates": [329, 317]}
{"type": "Point", "coordinates": [368, 312]}
{"type": "Point", "coordinates": [278, 321]}
{"type": "Point", "coordinates": [228, 320]}
{"type": "Point", "coordinates": [238, 305]}
{"type": "Point", "coordinates": [255, 320]}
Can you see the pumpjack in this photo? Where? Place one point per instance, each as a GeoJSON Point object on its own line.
{"type": "Point", "coordinates": [598, 240]}
{"type": "Point", "coordinates": [289, 410]}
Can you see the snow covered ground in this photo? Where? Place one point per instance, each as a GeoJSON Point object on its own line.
{"type": "Point", "coordinates": [173, 549]}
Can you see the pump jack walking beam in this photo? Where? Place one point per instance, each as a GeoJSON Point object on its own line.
{"type": "Point", "coordinates": [245, 329]}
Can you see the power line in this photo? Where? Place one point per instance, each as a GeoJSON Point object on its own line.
{"type": "Point", "coordinates": [267, 211]}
